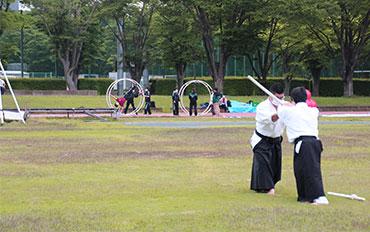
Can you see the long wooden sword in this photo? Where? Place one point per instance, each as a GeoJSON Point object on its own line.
{"type": "Point", "coordinates": [265, 90]}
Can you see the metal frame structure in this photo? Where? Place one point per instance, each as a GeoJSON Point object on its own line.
{"type": "Point", "coordinates": [109, 95]}
{"type": "Point", "coordinates": [182, 91]}
{"type": "Point", "coordinates": [6, 115]}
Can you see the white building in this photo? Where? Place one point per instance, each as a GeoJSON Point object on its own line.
{"type": "Point", "coordinates": [19, 6]}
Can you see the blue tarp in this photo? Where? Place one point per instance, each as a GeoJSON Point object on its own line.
{"type": "Point", "coordinates": [242, 107]}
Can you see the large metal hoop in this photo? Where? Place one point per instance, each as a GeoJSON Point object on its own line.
{"type": "Point", "coordinates": [182, 91]}
{"type": "Point", "coordinates": [108, 94]}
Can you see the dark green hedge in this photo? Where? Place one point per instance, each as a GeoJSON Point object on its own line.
{"type": "Point", "coordinates": [233, 86]}
{"type": "Point", "coordinates": [162, 86]}
{"type": "Point", "coordinates": [99, 84]}
{"type": "Point", "coordinates": [38, 83]}
{"type": "Point", "coordinates": [239, 86]}
{"type": "Point", "coordinates": [361, 87]}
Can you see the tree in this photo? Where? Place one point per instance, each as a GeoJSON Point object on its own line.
{"type": "Point", "coordinates": [132, 19]}
{"type": "Point", "coordinates": [224, 26]}
{"type": "Point", "coordinates": [178, 42]}
{"type": "Point", "coordinates": [10, 20]}
{"type": "Point", "coordinates": [67, 23]}
{"type": "Point", "coordinates": [348, 21]}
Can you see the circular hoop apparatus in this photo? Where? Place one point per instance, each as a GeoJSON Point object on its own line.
{"type": "Point", "coordinates": [109, 96]}
{"type": "Point", "coordinates": [182, 91]}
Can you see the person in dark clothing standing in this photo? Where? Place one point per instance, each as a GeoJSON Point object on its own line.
{"type": "Point", "coordinates": [175, 101]}
{"type": "Point", "coordinates": [193, 97]}
{"type": "Point", "coordinates": [302, 129]}
{"type": "Point", "coordinates": [147, 102]}
{"type": "Point", "coordinates": [129, 96]}
{"type": "Point", "coordinates": [266, 144]}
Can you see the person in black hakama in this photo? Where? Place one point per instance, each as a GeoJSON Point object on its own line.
{"type": "Point", "coordinates": [302, 129]}
{"type": "Point", "coordinates": [129, 96]}
{"type": "Point", "coordinates": [266, 144]}
{"type": "Point", "coordinates": [175, 101]}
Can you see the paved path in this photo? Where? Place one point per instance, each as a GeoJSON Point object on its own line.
{"type": "Point", "coordinates": [222, 115]}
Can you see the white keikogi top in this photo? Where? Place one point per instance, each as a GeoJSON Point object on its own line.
{"type": "Point", "coordinates": [2, 83]}
{"type": "Point", "coordinates": [300, 120]}
{"type": "Point", "coordinates": [264, 124]}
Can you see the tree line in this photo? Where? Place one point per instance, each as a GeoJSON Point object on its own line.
{"type": "Point", "coordinates": [84, 34]}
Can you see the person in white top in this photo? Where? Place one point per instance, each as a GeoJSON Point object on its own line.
{"type": "Point", "coordinates": [302, 129]}
{"type": "Point", "coordinates": [266, 144]}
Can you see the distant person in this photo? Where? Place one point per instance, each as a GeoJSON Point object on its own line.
{"type": "Point", "coordinates": [216, 102]}
{"type": "Point", "coordinates": [175, 101]}
{"type": "Point", "coordinates": [193, 97]}
{"type": "Point", "coordinates": [302, 129]}
{"type": "Point", "coordinates": [2, 91]}
{"type": "Point", "coordinates": [120, 102]}
{"type": "Point", "coordinates": [224, 104]}
{"type": "Point", "coordinates": [310, 102]}
{"type": "Point", "coordinates": [147, 102]}
{"type": "Point", "coordinates": [129, 96]}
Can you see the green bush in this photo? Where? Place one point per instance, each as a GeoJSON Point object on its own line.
{"type": "Point", "coordinates": [38, 83]}
{"type": "Point", "coordinates": [233, 86]}
{"type": "Point", "coordinates": [331, 87]}
{"type": "Point", "coordinates": [162, 86]}
{"type": "Point", "coordinates": [361, 87]}
{"type": "Point", "coordinates": [240, 86]}
{"type": "Point", "coordinates": [99, 84]}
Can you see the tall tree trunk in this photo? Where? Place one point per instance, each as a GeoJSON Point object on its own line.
{"type": "Point", "coordinates": [71, 80]}
{"type": "Point", "coordinates": [315, 66]}
{"type": "Point", "coordinates": [287, 82]}
{"type": "Point", "coordinates": [286, 59]}
{"type": "Point", "coordinates": [216, 69]}
{"type": "Point", "coordinates": [352, 39]}
{"type": "Point", "coordinates": [70, 60]}
{"type": "Point", "coordinates": [347, 83]}
{"type": "Point", "coordinates": [136, 70]}
{"type": "Point", "coordinates": [316, 72]}
{"type": "Point", "coordinates": [347, 74]}
{"type": "Point", "coordinates": [180, 74]}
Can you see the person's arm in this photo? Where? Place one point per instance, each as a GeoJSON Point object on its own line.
{"type": "Point", "coordinates": [264, 115]}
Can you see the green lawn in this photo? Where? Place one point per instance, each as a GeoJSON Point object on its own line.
{"type": "Point", "coordinates": [163, 102]}
{"type": "Point", "coordinates": [85, 175]}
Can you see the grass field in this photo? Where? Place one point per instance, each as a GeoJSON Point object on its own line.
{"type": "Point", "coordinates": [163, 102]}
{"type": "Point", "coordinates": [85, 175]}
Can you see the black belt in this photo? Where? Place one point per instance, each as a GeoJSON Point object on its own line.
{"type": "Point", "coordinates": [304, 137]}
{"type": "Point", "coordinates": [269, 139]}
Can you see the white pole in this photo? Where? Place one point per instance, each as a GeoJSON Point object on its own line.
{"type": "Point", "coordinates": [11, 91]}
{"type": "Point", "coordinates": [265, 90]}
{"type": "Point", "coordinates": [1, 109]}
{"type": "Point", "coordinates": [352, 196]}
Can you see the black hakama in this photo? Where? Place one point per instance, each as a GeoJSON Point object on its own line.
{"type": "Point", "coordinates": [307, 169]}
{"type": "Point", "coordinates": [266, 168]}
